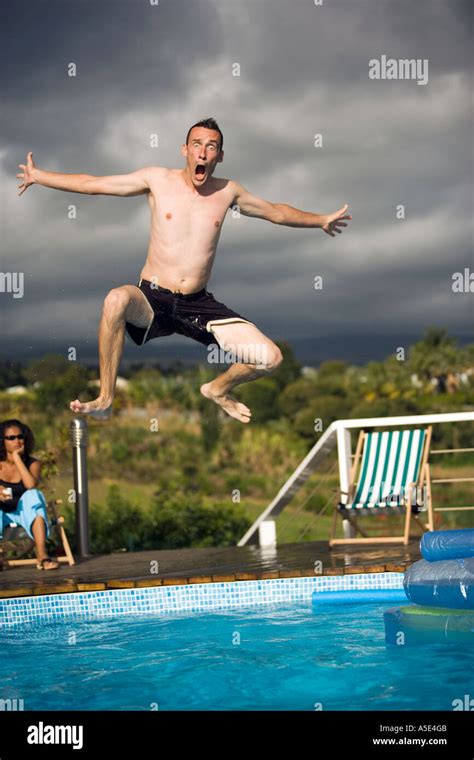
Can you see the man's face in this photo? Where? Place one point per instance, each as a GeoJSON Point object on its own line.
{"type": "Point", "coordinates": [202, 154]}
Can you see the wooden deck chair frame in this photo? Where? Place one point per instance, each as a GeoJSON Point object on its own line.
{"type": "Point", "coordinates": [424, 479]}
{"type": "Point", "coordinates": [57, 523]}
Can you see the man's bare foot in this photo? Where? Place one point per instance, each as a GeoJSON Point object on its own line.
{"type": "Point", "coordinates": [98, 409]}
{"type": "Point", "coordinates": [230, 405]}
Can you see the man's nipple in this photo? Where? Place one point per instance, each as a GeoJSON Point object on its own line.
{"type": "Point", "coordinates": [216, 224]}
{"type": "Point", "coordinates": [169, 216]}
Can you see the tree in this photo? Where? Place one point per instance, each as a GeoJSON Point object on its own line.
{"type": "Point", "coordinates": [11, 373]}
{"type": "Point", "coordinates": [436, 355]}
{"type": "Point", "coordinates": [59, 381]}
{"type": "Point", "coordinates": [297, 395]}
{"type": "Point", "coordinates": [146, 384]}
{"type": "Point", "coordinates": [289, 369]}
{"type": "Point", "coordinates": [326, 409]}
{"type": "Point", "coordinates": [210, 425]}
{"type": "Point", "coordinates": [331, 378]}
{"type": "Point", "coordinates": [261, 396]}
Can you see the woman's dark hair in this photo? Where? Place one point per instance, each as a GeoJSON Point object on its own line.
{"type": "Point", "coordinates": [27, 432]}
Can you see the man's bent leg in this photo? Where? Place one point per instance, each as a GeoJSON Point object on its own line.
{"type": "Point", "coordinates": [124, 304]}
{"type": "Point", "coordinates": [255, 355]}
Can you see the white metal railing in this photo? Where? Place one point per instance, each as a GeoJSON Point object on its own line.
{"type": "Point", "coordinates": [339, 432]}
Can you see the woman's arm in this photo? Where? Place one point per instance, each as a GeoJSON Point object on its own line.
{"type": "Point", "coordinates": [30, 477]}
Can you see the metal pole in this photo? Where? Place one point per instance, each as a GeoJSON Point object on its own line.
{"type": "Point", "coordinates": [79, 439]}
{"type": "Point", "coordinates": [344, 455]}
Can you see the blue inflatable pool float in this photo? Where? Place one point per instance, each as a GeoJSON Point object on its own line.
{"type": "Point", "coordinates": [441, 586]}
{"type": "Point", "coordinates": [446, 583]}
{"type": "Point", "coordinates": [406, 626]}
{"type": "Point", "coordinates": [366, 595]}
{"type": "Point", "coordinates": [447, 544]}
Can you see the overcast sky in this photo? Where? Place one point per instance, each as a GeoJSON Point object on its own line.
{"type": "Point", "coordinates": [304, 70]}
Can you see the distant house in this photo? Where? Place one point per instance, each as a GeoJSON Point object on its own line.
{"type": "Point", "coordinates": [17, 390]}
{"type": "Point", "coordinates": [448, 382]}
{"type": "Point", "coordinates": [122, 383]}
{"type": "Point", "coordinates": [464, 376]}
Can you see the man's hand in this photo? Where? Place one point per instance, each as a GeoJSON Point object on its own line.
{"type": "Point", "coordinates": [335, 220]}
{"type": "Point", "coordinates": [27, 174]}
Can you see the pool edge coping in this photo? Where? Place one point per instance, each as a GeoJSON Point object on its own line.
{"type": "Point", "coordinates": [70, 586]}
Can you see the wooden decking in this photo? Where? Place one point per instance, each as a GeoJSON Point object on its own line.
{"type": "Point", "coordinates": [138, 569]}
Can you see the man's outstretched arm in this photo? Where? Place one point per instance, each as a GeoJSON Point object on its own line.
{"type": "Point", "coordinates": [135, 183]}
{"type": "Point", "coordinates": [280, 213]}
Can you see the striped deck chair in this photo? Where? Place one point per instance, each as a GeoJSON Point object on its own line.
{"type": "Point", "coordinates": [394, 477]}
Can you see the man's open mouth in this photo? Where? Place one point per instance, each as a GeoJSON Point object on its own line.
{"type": "Point", "coordinates": [200, 170]}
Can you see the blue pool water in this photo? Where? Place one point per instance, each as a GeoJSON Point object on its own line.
{"type": "Point", "coordinates": [275, 657]}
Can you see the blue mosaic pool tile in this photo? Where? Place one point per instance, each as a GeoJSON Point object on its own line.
{"type": "Point", "coordinates": [196, 597]}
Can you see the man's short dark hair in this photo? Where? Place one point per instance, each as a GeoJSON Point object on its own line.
{"type": "Point", "coordinates": [208, 124]}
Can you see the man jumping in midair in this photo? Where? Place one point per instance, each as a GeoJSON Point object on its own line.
{"type": "Point", "coordinates": [188, 207]}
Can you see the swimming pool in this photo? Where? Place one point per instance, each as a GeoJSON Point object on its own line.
{"type": "Point", "coordinates": [281, 656]}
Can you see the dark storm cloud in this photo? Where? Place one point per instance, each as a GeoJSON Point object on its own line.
{"type": "Point", "coordinates": [127, 54]}
{"type": "Point", "coordinates": [297, 44]}
{"type": "Point", "coordinates": [304, 70]}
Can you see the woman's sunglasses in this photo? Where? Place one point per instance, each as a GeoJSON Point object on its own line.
{"type": "Point", "coordinates": [20, 437]}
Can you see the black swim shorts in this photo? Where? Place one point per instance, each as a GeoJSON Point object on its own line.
{"type": "Point", "coordinates": [189, 314]}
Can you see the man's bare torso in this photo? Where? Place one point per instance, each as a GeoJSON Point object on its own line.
{"type": "Point", "coordinates": [185, 229]}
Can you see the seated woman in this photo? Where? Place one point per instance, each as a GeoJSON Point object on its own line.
{"type": "Point", "coordinates": [20, 500]}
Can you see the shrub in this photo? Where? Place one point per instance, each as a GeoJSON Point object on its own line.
{"type": "Point", "coordinates": [173, 521]}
